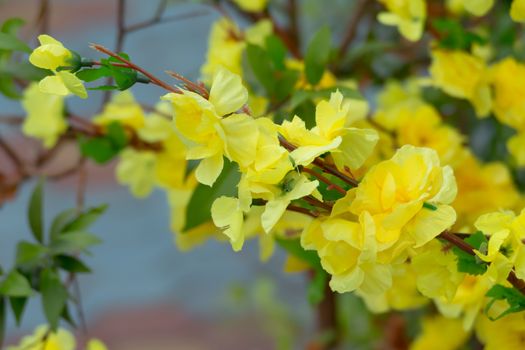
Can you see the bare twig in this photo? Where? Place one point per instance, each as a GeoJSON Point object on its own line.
{"type": "Point", "coordinates": [353, 25]}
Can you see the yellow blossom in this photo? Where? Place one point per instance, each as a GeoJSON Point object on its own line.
{"type": "Point", "coordinates": [45, 115]}
{"type": "Point", "coordinates": [395, 192]}
{"type": "Point", "coordinates": [509, 93]}
{"type": "Point", "coordinates": [211, 127]}
{"type": "Point", "coordinates": [137, 170]}
{"type": "Point", "coordinates": [123, 109]}
{"type": "Point", "coordinates": [350, 146]}
{"type": "Point", "coordinates": [476, 7]}
{"type": "Point", "coordinates": [227, 213]}
{"type": "Point", "coordinates": [52, 55]}
{"type": "Point", "coordinates": [407, 15]}
{"type": "Point", "coordinates": [440, 333]}
{"type": "Point", "coordinates": [477, 182]}
{"type": "Point", "coordinates": [517, 10]}
{"type": "Point", "coordinates": [463, 76]}
{"type": "Point", "coordinates": [292, 187]}
{"type": "Point", "coordinates": [505, 333]}
{"type": "Point", "coordinates": [59, 340]}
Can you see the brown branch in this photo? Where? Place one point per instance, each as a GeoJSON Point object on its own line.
{"type": "Point", "coordinates": [302, 210]}
{"type": "Point", "coordinates": [353, 24]}
{"type": "Point", "coordinates": [133, 66]}
{"type": "Point", "coordinates": [159, 20]}
{"type": "Point", "coordinates": [327, 168]}
{"type": "Point", "coordinates": [331, 185]}
{"type": "Point", "coordinates": [190, 85]}
{"type": "Point", "coordinates": [317, 203]}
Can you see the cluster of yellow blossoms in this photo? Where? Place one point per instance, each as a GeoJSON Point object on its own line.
{"type": "Point", "coordinates": [409, 16]}
{"type": "Point", "coordinates": [408, 175]}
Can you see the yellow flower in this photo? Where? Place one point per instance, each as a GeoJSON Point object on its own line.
{"type": "Point", "coordinates": [407, 15]}
{"type": "Point", "coordinates": [347, 251]}
{"type": "Point", "coordinates": [123, 109]}
{"type": "Point", "coordinates": [211, 127]}
{"type": "Point", "coordinates": [505, 333]}
{"type": "Point", "coordinates": [506, 234]}
{"type": "Point", "coordinates": [436, 271]}
{"type": "Point", "coordinates": [419, 124]}
{"type": "Point", "coordinates": [517, 10]}
{"type": "Point", "coordinates": [137, 170]}
{"type": "Point", "coordinates": [59, 340]}
{"type": "Point", "coordinates": [350, 146]}
{"type": "Point", "coordinates": [509, 93]}
{"type": "Point", "coordinates": [227, 43]}
{"type": "Point", "coordinates": [440, 333]}
{"type": "Point", "coordinates": [293, 187]}
{"type": "Point", "coordinates": [45, 115]}
{"type": "Point", "coordinates": [395, 191]}
{"type": "Point", "coordinates": [463, 76]}
{"type": "Point", "coordinates": [402, 295]}
{"type": "Point", "coordinates": [52, 55]}
{"type": "Point", "coordinates": [328, 79]}
{"type": "Point", "coordinates": [251, 5]}
{"type": "Point", "coordinates": [477, 182]}
{"type": "Point", "coordinates": [476, 7]}
{"type": "Point", "coordinates": [95, 344]}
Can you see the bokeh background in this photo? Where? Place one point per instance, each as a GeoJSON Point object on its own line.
{"type": "Point", "coordinates": [144, 293]}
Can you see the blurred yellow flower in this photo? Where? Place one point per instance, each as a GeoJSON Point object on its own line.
{"type": "Point", "coordinates": [440, 333]}
{"type": "Point", "coordinates": [251, 5]}
{"type": "Point", "coordinates": [505, 333]}
{"type": "Point", "coordinates": [462, 75]}
{"type": "Point", "coordinates": [137, 170]}
{"type": "Point", "coordinates": [45, 115]}
{"type": "Point", "coordinates": [407, 15]}
{"type": "Point", "coordinates": [123, 109]}
{"type": "Point", "coordinates": [517, 10]}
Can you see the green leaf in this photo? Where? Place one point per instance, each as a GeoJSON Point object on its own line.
{"type": "Point", "coordinates": [73, 242]}
{"type": "Point", "coordinates": [317, 287]}
{"type": "Point", "coordinates": [35, 212]}
{"type": "Point", "coordinates": [515, 299]}
{"type": "Point", "coordinates": [71, 264]}
{"type": "Point", "coordinates": [293, 247]}
{"type": "Point", "coordinates": [8, 87]}
{"type": "Point", "coordinates": [29, 255]}
{"type": "Point", "coordinates": [261, 65]}
{"type": "Point", "coordinates": [116, 133]}
{"type": "Point", "coordinates": [468, 263]}
{"type": "Point", "coordinates": [199, 206]}
{"type": "Point", "coordinates": [84, 220]}
{"type": "Point", "coordinates": [11, 25]}
{"type": "Point", "coordinates": [18, 305]}
{"type": "Point", "coordinates": [104, 88]}
{"type": "Point", "coordinates": [15, 285]}
{"type": "Point", "coordinates": [66, 316]}
{"type": "Point", "coordinates": [301, 96]}
{"type": "Point", "coordinates": [285, 83]}
{"type": "Point", "coordinates": [2, 321]}
{"type": "Point", "coordinates": [317, 55]}
{"type": "Point", "coordinates": [277, 51]}
{"type": "Point", "coordinates": [12, 43]}
{"type": "Point", "coordinates": [100, 149]}
{"type": "Point", "coordinates": [454, 36]}
{"type": "Point", "coordinates": [54, 297]}
{"type": "Point", "coordinates": [89, 75]}
{"type": "Point", "coordinates": [60, 221]}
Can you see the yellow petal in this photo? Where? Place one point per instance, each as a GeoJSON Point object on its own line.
{"type": "Point", "coordinates": [226, 214]}
{"type": "Point", "coordinates": [53, 85]}
{"type": "Point", "coordinates": [73, 84]}
{"type": "Point", "coordinates": [209, 169]}
{"type": "Point", "coordinates": [517, 10]}
{"type": "Point", "coordinates": [241, 137]}
{"type": "Point", "coordinates": [95, 344]}
{"type": "Point", "coordinates": [428, 223]}
{"type": "Point", "coordinates": [273, 211]}
{"type": "Point", "coordinates": [227, 94]}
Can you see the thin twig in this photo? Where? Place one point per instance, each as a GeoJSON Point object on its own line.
{"type": "Point", "coordinates": [159, 20]}
{"type": "Point", "coordinates": [13, 157]}
{"type": "Point", "coordinates": [201, 90]}
{"type": "Point", "coordinates": [353, 25]}
{"type": "Point", "coordinates": [131, 65]}
{"type": "Point", "coordinates": [331, 185]}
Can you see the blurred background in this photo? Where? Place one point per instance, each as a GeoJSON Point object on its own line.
{"type": "Point", "coordinates": [144, 294]}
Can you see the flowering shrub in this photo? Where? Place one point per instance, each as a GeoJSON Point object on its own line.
{"type": "Point", "coordinates": [391, 198]}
